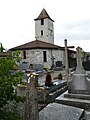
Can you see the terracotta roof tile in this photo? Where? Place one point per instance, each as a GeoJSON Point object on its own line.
{"type": "Point", "coordinates": [43, 15]}
{"type": "Point", "coordinates": [35, 45]}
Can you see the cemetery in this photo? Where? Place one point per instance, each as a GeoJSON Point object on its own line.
{"type": "Point", "coordinates": [64, 94]}
{"type": "Point", "coordinates": [55, 83]}
{"type": "Point", "coordinates": [65, 99]}
{"type": "Point", "coordinates": [75, 101]}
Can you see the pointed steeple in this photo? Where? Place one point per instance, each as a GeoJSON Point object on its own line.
{"type": "Point", "coordinates": [43, 15]}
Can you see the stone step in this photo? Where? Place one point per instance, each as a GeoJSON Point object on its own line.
{"type": "Point", "coordinates": [77, 96]}
{"type": "Point", "coordinates": [80, 103]}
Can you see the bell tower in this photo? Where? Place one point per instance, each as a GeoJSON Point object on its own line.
{"type": "Point", "coordinates": [44, 28]}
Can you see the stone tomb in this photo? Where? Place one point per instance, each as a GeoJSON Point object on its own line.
{"type": "Point", "coordinates": [76, 100]}
{"type": "Point", "coordinates": [50, 93]}
{"type": "Point", "coordinates": [79, 84]}
{"type": "Point", "coordinates": [78, 94]}
{"type": "Point", "coordinates": [23, 66]}
{"type": "Point", "coordinates": [55, 111]}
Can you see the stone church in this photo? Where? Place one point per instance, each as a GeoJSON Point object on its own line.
{"type": "Point", "coordinates": [43, 50]}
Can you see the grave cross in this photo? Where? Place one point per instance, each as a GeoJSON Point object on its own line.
{"type": "Point", "coordinates": [79, 68]}
{"type": "Point", "coordinates": [66, 59]}
{"type": "Point", "coordinates": [31, 112]}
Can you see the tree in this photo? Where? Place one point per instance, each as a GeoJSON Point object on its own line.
{"type": "Point", "coordinates": [9, 79]}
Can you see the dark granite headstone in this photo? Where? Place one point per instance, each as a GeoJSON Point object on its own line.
{"type": "Point", "coordinates": [86, 65]}
{"type": "Point", "coordinates": [58, 63]}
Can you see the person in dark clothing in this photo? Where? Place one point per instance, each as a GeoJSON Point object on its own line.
{"type": "Point", "coordinates": [48, 81]}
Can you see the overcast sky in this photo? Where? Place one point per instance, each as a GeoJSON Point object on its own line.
{"type": "Point", "coordinates": [72, 21]}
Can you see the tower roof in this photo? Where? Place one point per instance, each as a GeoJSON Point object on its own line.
{"type": "Point", "coordinates": [43, 15]}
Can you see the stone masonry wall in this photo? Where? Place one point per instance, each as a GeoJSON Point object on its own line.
{"type": "Point", "coordinates": [35, 56]}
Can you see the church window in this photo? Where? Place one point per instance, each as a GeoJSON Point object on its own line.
{"type": "Point", "coordinates": [24, 54]}
{"type": "Point", "coordinates": [42, 21]}
{"type": "Point", "coordinates": [41, 32]}
{"type": "Point", "coordinates": [44, 56]}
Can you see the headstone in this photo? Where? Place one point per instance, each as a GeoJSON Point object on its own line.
{"type": "Point", "coordinates": [58, 63]}
{"type": "Point", "coordinates": [23, 66]}
{"type": "Point", "coordinates": [78, 93]}
{"type": "Point", "coordinates": [79, 83]}
{"type": "Point", "coordinates": [38, 67]}
{"type": "Point", "coordinates": [55, 111]}
{"type": "Point", "coordinates": [79, 68]}
{"type": "Point", "coordinates": [31, 111]}
{"type": "Point", "coordinates": [86, 65]}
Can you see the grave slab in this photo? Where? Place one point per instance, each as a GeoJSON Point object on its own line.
{"type": "Point", "coordinates": [55, 111]}
{"type": "Point", "coordinates": [74, 100]}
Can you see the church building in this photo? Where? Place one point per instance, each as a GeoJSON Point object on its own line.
{"type": "Point", "coordinates": [42, 50]}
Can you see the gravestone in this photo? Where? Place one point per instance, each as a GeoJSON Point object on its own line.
{"type": "Point", "coordinates": [38, 67]}
{"type": "Point", "coordinates": [23, 66]}
{"type": "Point", "coordinates": [86, 65]}
{"type": "Point", "coordinates": [79, 83]}
{"type": "Point", "coordinates": [31, 107]}
{"type": "Point", "coordinates": [58, 63]}
{"type": "Point", "coordinates": [78, 94]}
